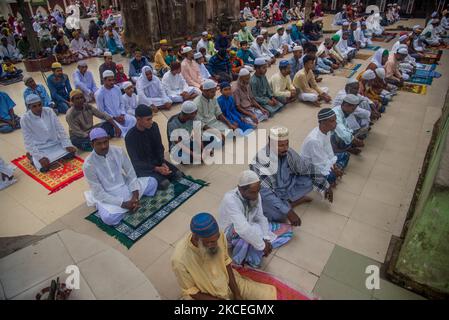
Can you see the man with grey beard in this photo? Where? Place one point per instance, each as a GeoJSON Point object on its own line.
{"type": "Point", "coordinates": [203, 267]}
{"type": "Point", "coordinates": [249, 234]}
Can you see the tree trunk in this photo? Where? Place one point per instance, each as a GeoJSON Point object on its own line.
{"type": "Point", "coordinates": [308, 6]}
{"type": "Point", "coordinates": [32, 38]}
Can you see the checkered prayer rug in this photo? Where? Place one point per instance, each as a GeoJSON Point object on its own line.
{"type": "Point", "coordinates": [153, 210]}
{"type": "Point", "coordinates": [61, 174]}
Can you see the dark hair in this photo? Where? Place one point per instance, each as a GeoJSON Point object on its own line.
{"type": "Point", "coordinates": [244, 42]}
{"type": "Point", "coordinates": [310, 47]}
{"type": "Point", "coordinates": [308, 58]}
{"type": "Point", "coordinates": [175, 65]}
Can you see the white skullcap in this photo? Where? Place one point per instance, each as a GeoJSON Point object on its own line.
{"type": "Point", "coordinates": [82, 63]}
{"type": "Point", "coordinates": [352, 80]}
{"type": "Point", "coordinates": [249, 68]}
{"type": "Point", "coordinates": [126, 85]}
{"type": "Point", "coordinates": [32, 98]}
{"type": "Point", "coordinates": [416, 27]}
{"type": "Point", "coordinates": [369, 75]}
{"type": "Point", "coordinates": [209, 84]}
{"type": "Point", "coordinates": [380, 73]}
{"type": "Point", "coordinates": [188, 107]}
{"type": "Point", "coordinates": [247, 178]}
{"type": "Point", "coordinates": [403, 51]}
{"type": "Point", "coordinates": [346, 23]}
{"type": "Point", "coordinates": [263, 31]}
{"type": "Point", "coordinates": [279, 27]}
{"type": "Point", "coordinates": [197, 55]}
{"type": "Point", "coordinates": [434, 14]}
{"type": "Point", "coordinates": [244, 72]}
{"type": "Point", "coordinates": [236, 33]}
{"type": "Point", "coordinates": [403, 38]}
{"type": "Point", "coordinates": [297, 48]}
{"type": "Point", "coordinates": [279, 133]}
{"type": "Point", "coordinates": [205, 33]}
{"type": "Point", "coordinates": [351, 99]}
{"type": "Point", "coordinates": [186, 49]}
{"type": "Point", "coordinates": [108, 73]}
{"type": "Point", "coordinates": [260, 62]}
{"type": "Point", "coordinates": [260, 37]}
{"type": "Point", "coordinates": [107, 54]}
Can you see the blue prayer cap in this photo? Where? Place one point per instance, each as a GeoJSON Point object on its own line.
{"type": "Point", "coordinates": [284, 64]}
{"type": "Point", "coordinates": [204, 225]}
{"type": "Point", "coordinates": [225, 84]}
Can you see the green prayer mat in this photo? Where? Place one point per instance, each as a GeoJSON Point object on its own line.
{"type": "Point", "coordinates": [153, 210]}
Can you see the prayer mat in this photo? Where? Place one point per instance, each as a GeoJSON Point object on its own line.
{"type": "Point", "coordinates": [414, 88]}
{"type": "Point", "coordinates": [348, 71]}
{"type": "Point", "coordinates": [418, 80]}
{"type": "Point", "coordinates": [6, 82]}
{"type": "Point", "coordinates": [61, 174]}
{"type": "Point", "coordinates": [284, 292]}
{"type": "Point", "coordinates": [386, 37]}
{"type": "Point", "coordinates": [426, 67]}
{"type": "Point", "coordinates": [152, 211]}
{"type": "Point", "coordinates": [363, 56]}
{"type": "Point", "coordinates": [426, 74]}
{"type": "Point", "coordinates": [372, 48]}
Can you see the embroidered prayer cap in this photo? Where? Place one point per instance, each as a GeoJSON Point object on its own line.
{"type": "Point", "coordinates": [204, 225]}
{"type": "Point", "coordinates": [243, 72]}
{"type": "Point", "coordinates": [107, 54]}
{"type": "Point", "coordinates": [325, 114]}
{"type": "Point", "coordinates": [75, 92]}
{"type": "Point", "coordinates": [380, 73]}
{"type": "Point", "coordinates": [284, 64]}
{"type": "Point", "coordinates": [186, 50]}
{"type": "Point", "coordinates": [163, 41]}
{"type": "Point", "coordinates": [126, 85]}
{"type": "Point", "coordinates": [143, 111]}
{"type": "Point", "coordinates": [247, 178]}
{"type": "Point", "coordinates": [224, 85]}
{"type": "Point", "coordinates": [188, 107]}
{"type": "Point", "coordinates": [108, 73]}
{"type": "Point", "coordinates": [56, 65]}
{"type": "Point", "coordinates": [403, 51]}
{"type": "Point", "coordinates": [352, 99]}
{"type": "Point", "coordinates": [260, 62]}
{"type": "Point", "coordinates": [417, 27]}
{"type": "Point", "coordinates": [209, 84]}
{"type": "Point", "coordinates": [97, 133]}
{"type": "Point", "coordinates": [297, 48]}
{"type": "Point", "coordinates": [260, 37]}
{"type": "Point", "coordinates": [279, 133]}
{"type": "Point", "coordinates": [205, 33]}
{"type": "Point", "coordinates": [369, 75]}
{"type": "Point", "coordinates": [279, 28]}
{"type": "Point", "coordinates": [197, 55]}
{"type": "Point", "coordinates": [32, 98]}
{"type": "Point", "coordinates": [263, 31]}
{"type": "Point", "coordinates": [82, 63]}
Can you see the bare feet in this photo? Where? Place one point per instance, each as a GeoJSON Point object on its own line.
{"type": "Point", "coordinates": [355, 151]}
{"type": "Point", "coordinates": [301, 201]}
{"type": "Point", "coordinates": [294, 219]}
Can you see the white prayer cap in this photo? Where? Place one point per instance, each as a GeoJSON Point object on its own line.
{"type": "Point", "coordinates": [260, 36]}
{"type": "Point", "coordinates": [126, 85]}
{"type": "Point", "coordinates": [247, 178]}
{"type": "Point", "coordinates": [108, 73]}
{"type": "Point", "coordinates": [209, 84]}
{"type": "Point", "coordinates": [352, 99]}
{"type": "Point", "coordinates": [279, 27]}
{"type": "Point", "coordinates": [82, 63]}
{"type": "Point", "coordinates": [403, 37]}
{"type": "Point", "coordinates": [416, 27]}
{"type": "Point", "coordinates": [188, 107]}
{"type": "Point", "coordinates": [235, 33]}
{"type": "Point", "coordinates": [107, 54]}
{"type": "Point", "coordinates": [260, 62]}
{"type": "Point", "coordinates": [32, 98]}
{"type": "Point", "coordinates": [380, 73]}
{"type": "Point", "coordinates": [249, 68]}
{"type": "Point", "coordinates": [297, 48]}
{"type": "Point", "coordinates": [346, 23]}
{"type": "Point", "coordinates": [197, 55]}
{"type": "Point", "coordinates": [244, 72]}
{"type": "Point", "coordinates": [403, 51]}
{"type": "Point", "coordinates": [279, 133]}
{"type": "Point", "coordinates": [263, 31]}
{"type": "Point", "coordinates": [205, 33]}
{"type": "Point", "coordinates": [369, 75]}
{"type": "Point", "coordinates": [352, 80]}
{"type": "Point", "coordinates": [434, 14]}
{"type": "Point", "coordinates": [186, 49]}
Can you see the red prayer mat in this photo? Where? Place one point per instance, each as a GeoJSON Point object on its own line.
{"type": "Point", "coordinates": [284, 292]}
{"type": "Point", "coordinates": [62, 173]}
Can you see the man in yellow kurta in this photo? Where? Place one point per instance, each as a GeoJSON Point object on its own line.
{"type": "Point", "coordinates": [159, 58]}
{"type": "Point", "coordinates": [203, 267]}
{"type": "Point", "coordinates": [281, 83]}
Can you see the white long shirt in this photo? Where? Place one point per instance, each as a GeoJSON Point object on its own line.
{"type": "Point", "coordinates": [201, 44]}
{"type": "Point", "coordinates": [260, 51]}
{"type": "Point", "coordinates": [174, 85]}
{"type": "Point", "coordinates": [146, 95]}
{"type": "Point", "coordinates": [317, 149]}
{"type": "Point", "coordinates": [276, 42]}
{"type": "Point", "coordinates": [110, 101]}
{"type": "Point", "coordinates": [85, 82]}
{"type": "Point", "coordinates": [78, 45]}
{"type": "Point", "coordinates": [108, 174]}
{"type": "Point", "coordinates": [130, 103]}
{"type": "Point", "coordinates": [40, 133]}
{"type": "Point", "coordinates": [253, 228]}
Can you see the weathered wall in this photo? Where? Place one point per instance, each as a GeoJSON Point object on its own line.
{"type": "Point", "coordinates": [442, 178]}
{"type": "Point", "coordinates": [148, 21]}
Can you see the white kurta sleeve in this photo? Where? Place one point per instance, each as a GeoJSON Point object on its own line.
{"type": "Point", "coordinates": [130, 174]}
{"type": "Point", "coordinates": [97, 189]}
{"type": "Point", "coordinates": [28, 139]}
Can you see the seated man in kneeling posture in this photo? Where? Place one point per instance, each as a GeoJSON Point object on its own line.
{"type": "Point", "coordinates": [114, 188]}
{"type": "Point", "coordinates": [44, 136]}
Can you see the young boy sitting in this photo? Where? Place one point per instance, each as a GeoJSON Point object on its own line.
{"type": "Point", "coordinates": [129, 97]}
{"type": "Point", "coordinates": [9, 70]}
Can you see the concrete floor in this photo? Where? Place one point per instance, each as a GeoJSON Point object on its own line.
{"type": "Point", "coordinates": [370, 203]}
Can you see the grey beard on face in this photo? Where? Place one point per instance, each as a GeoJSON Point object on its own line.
{"type": "Point", "coordinates": [207, 253]}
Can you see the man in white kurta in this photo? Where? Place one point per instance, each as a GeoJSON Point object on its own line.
{"type": "Point", "coordinates": [150, 91]}
{"type": "Point", "coordinates": [78, 46]}
{"type": "Point", "coordinates": [109, 100]}
{"type": "Point", "coordinates": [276, 43]}
{"type": "Point", "coordinates": [44, 136]}
{"type": "Point", "coordinates": [84, 80]}
{"type": "Point", "coordinates": [114, 187]}
{"type": "Point", "coordinates": [346, 51]}
{"type": "Point", "coordinates": [260, 50]}
{"type": "Point", "coordinates": [176, 87]}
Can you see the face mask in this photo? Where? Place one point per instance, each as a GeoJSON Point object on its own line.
{"type": "Point", "coordinates": [189, 43]}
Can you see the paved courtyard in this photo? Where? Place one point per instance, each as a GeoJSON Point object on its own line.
{"type": "Point", "coordinates": [329, 252]}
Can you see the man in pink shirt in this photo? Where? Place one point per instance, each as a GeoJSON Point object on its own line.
{"type": "Point", "coordinates": [190, 69]}
{"type": "Point", "coordinates": [392, 73]}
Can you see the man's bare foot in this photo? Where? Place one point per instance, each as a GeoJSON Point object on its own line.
{"type": "Point", "coordinates": [316, 104]}
{"type": "Point", "coordinates": [294, 219]}
{"type": "Point", "coordinates": [302, 200]}
{"type": "Point", "coordinates": [355, 151]}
